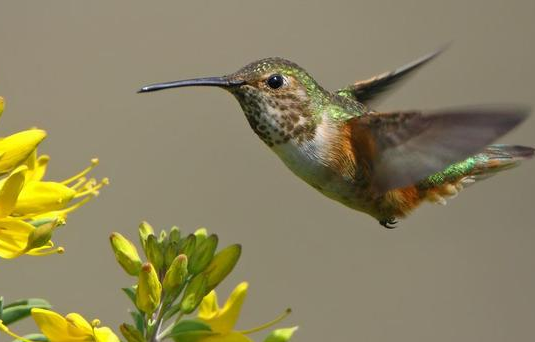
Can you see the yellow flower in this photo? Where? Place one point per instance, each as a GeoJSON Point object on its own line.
{"type": "Point", "coordinates": [222, 320]}
{"type": "Point", "coordinates": [71, 328]}
{"type": "Point", "coordinates": [31, 208]}
{"type": "Point", "coordinates": [23, 194]}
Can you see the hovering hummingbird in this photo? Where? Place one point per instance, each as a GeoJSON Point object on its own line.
{"type": "Point", "coordinates": [383, 164]}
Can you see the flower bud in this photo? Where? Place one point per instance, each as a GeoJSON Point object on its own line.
{"type": "Point", "coordinates": [174, 234]}
{"type": "Point", "coordinates": [170, 253]}
{"type": "Point", "coordinates": [149, 289]}
{"type": "Point", "coordinates": [126, 254]}
{"type": "Point", "coordinates": [201, 234]}
{"type": "Point", "coordinates": [176, 274]}
{"type": "Point", "coordinates": [187, 246]}
{"type": "Point", "coordinates": [16, 148]}
{"type": "Point", "coordinates": [41, 235]}
{"type": "Point", "coordinates": [163, 237]}
{"type": "Point", "coordinates": [194, 293]}
{"type": "Point", "coordinates": [131, 334]}
{"type": "Point", "coordinates": [203, 254]}
{"type": "Point", "coordinates": [154, 252]}
{"type": "Point", "coordinates": [221, 265]}
{"type": "Point", "coordinates": [145, 229]}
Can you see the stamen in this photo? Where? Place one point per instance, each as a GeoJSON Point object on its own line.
{"type": "Point", "coordinates": [94, 162]}
{"type": "Point", "coordinates": [79, 183]}
{"type": "Point", "coordinates": [92, 189]}
{"type": "Point", "coordinates": [12, 334]}
{"type": "Point", "coordinates": [59, 250]}
{"type": "Point", "coordinates": [75, 206]}
{"type": "Point", "coordinates": [268, 324]}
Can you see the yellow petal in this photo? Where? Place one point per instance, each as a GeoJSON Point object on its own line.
{"type": "Point", "coordinates": [36, 166]}
{"type": "Point", "coordinates": [58, 329]}
{"type": "Point", "coordinates": [17, 147]}
{"type": "Point", "coordinates": [78, 326]}
{"type": "Point", "coordinates": [51, 324]}
{"type": "Point", "coordinates": [14, 235]}
{"type": "Point", "coordinates": [227, 317]}
{"type": "Point", "coordinates": [10, 190]}
{"type": "Point", "coordinates": [40, 197]}
{"type": "Point", "coordinates": [105, 334]}
{"type": "Point", "coordinates": [208, 307]}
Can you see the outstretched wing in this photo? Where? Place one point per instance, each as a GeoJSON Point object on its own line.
{"type": "Point", "coordinates": [400, 149]}
{"type": "Point", "coordinates": [367, 90]}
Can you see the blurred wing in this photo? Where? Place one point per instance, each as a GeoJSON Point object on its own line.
{"type": "Point", "coordinates": [400, 149]}
{"type": "Point", "coordinates": [367, 90]}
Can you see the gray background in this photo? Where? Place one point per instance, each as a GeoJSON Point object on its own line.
{"type": "Point", "coordinates": [464, 272]}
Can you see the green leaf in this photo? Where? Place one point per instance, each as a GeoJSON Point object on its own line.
{"type": "Point", "coordinates": [131, 333]}
{"type": "Point", "coordinates": [187, 326]}
{"type": "Point", "coordinates": [34, 337]}
{"type": "Point", "coordinates": [13, 313]}
{"type": "Point", "coordinates": [1, 306]}
{"type": "Point", "coordinates": [280, 335]}
{"type": "Point", "coordinates": [131, 293]}
{"type": "Point", "coordinates": [138, 320]}
{"type": "Point", "coordinates": [28, 301]}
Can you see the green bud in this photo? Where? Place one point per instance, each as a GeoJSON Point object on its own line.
{"type": "Point", "coordinates": [194, 293]}
{"type": "Point", "coordinates": [126, 254]}
{"type": "Point", "coordinates": [174, 234]}
{"type": "Point", "coordinates": [203, 254]}
{"type": "Point", "coordinates": [187, 246]}
{"type": "Point", "coordinates": [176, 274]}
{"type": "Point", "coordinates": [145, 229]}
{"type": "Point", "coordinates": [170, 253]}
{"type": "Point", "coordinates": [163, 237]}
{"type": "Point", "coordinates": [149, 289]}
{"type": "Point", "coordinates": [154, 252]}
{"type": "Point", "coordinates": [201, 234]}
{"type": "Point", "coordinates": [41, 234]}
{"type": "Point", "coordinates": [131, 334]}
{"type": "Point", "coordinates": [221, 265]}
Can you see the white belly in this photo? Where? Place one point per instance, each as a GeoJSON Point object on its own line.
{"type": "Point", "coordinates": [307, 161]}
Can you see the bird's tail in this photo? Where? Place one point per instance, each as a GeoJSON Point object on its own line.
{"type": "Point", "coordinates": [494, 159]}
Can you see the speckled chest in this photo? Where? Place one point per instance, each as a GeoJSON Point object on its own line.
{"type": "Point", "coordinates": [278, 118]}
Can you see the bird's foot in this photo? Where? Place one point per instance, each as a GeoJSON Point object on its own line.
{"type": "Point", "coordinates": [389, 223]}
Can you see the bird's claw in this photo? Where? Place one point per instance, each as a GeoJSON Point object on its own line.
{"type": "Point", "coordinates": [389, 223]}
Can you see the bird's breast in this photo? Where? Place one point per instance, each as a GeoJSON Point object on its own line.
{"type": "Point", "coordinates": [320, 162]}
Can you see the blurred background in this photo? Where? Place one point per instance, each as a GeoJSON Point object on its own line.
{"type": "Point", "coordinates": [464, 272]}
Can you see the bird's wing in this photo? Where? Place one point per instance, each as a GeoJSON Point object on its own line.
{"type": "Point", "coordinates": [367, 90]}
{"type": "Point", "coordinates": [399, 149]}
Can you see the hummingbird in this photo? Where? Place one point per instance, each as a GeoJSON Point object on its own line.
{"type": "Point", "coordinates": [384, 164]}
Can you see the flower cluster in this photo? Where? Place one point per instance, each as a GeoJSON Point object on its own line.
{"type": "Point", "coordinates": [180, 276]}
{"type": "Point", "coordinates": [31, 208]}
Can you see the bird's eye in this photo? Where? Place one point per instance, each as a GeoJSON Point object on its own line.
{"type": "Point", "coordinates": [275, 81]}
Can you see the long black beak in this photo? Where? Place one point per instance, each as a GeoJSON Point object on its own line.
{"type": "Point", "coordinates": [206, 81]}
